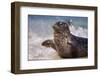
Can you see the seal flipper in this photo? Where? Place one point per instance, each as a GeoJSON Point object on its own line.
{"type": "Point", "coordinates": [49, 43]}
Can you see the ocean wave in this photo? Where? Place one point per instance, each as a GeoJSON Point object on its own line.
{"type": "Point", "coordinates": [36, 51]}
{"type": "Point", "coordinates": [79, 31]}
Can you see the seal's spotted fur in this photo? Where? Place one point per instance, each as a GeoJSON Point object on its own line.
{"type": "Point", "coordinates": [66, 44]}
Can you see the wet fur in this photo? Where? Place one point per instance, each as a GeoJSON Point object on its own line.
{"type": "Point", "coordinates": [66, 44]}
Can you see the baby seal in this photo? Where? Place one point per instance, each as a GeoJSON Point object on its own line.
{"type": "Point", "coordinates": [66, 44]}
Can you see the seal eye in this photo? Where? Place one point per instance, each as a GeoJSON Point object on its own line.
{"type": "Point", "coordinates": [60, 23]}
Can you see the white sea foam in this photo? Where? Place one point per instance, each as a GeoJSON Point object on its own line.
{"type": "Point", "coordinates": [36, 51]}
{"type": "Point", "coordinates": [79, 31]}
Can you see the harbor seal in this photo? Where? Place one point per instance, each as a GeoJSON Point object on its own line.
{"type": "Point", "coordinates": [66, 44]}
